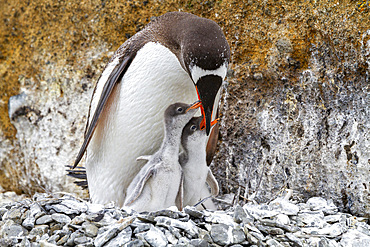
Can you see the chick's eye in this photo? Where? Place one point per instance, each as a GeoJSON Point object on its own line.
{"type": "Point", "coordinates": [180, 109]}
{"type": "Point", "coordinates": [193, 127]}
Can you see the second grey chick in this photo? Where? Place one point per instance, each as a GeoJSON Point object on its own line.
{"type": "Point", "coordinates": [195, 170]}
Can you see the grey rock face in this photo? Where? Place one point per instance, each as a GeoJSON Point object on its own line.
{"type": "Point", "coordinates": [308, 131]}
{"type": "Point", "coordinates": [40, 126]}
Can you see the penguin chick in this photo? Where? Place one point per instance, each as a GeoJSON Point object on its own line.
{"type": "Point", "coordinates": [195, 170]}
{"type": "Point", "coordinates": [158, 185]}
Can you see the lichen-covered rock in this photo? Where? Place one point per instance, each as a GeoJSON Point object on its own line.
{"type": "Point", "coordinates": [294, 115]}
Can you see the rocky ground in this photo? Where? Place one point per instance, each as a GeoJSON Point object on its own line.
{"type": "Point", "coordinates": [62, 219]}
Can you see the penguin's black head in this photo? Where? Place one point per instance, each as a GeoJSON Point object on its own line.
{"type": "Point", "coordinates": [202, 50]}
{"type": "Point", "coordinates": [206, 55]}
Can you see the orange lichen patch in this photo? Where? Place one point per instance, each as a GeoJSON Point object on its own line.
{"type": "Point", "coordinates": [5, 182]}
{"type": "Point", "coordinates": [36, 33]}
{"type": "Point", "coordinates": [59, 29]}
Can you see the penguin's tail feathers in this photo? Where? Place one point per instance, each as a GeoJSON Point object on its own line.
{"type": "Point", "coordinates": [78, 173]}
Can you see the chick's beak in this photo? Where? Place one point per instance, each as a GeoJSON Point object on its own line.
{"type": "Point", "coordinates": [196, 105]}
{"type": "Point", "coordinates": [207, 89]}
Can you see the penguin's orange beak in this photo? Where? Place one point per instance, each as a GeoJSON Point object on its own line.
{"type": "Point", "coordinates": [207, 89]}
{"type": "Point", "coordinates": [203, 123]}
{"type": "Point", "coordinates": [196, 105]}
{"type": "Point", "coordinates": [213, 122]}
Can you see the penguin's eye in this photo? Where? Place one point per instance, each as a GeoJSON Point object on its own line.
{"type": "Point", "coordinates": [193, 128]}
{"type": "Point", "coordinates": [179, 109]}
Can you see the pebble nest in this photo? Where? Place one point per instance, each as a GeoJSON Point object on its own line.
{"type": "Point", "coordinates": [49, 220]}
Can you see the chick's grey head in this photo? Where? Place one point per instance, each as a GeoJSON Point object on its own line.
{"type": "Point", "coordinates": [192, 134]}
{"type": "Point", "coordinates": [178, 114]}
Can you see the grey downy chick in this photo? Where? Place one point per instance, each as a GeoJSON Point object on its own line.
{"type": "Point", "coordinates": [194, 166]}
{"type": "Point", "coordinates": [158, 185]}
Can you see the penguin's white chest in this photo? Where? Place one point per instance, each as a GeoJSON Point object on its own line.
{"type": "Point", "coordinates": [154, 80]}
{"type": "Point", "coordinates": [132, 123]}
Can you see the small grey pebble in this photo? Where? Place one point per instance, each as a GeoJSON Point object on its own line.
{"type": "Point", "coordinates": [134, 243]}
{"type": "Point", "coordinates": [44, 220]}
{"type": "Point", "coordinates": [61, 218]}
{"type": "Point", "coordinates": [198, 242]}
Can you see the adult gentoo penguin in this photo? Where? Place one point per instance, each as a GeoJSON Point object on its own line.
{"type": "Point", "coordinates": [178, 57]}
{"type": "Point", "coordinates": [158, 185]}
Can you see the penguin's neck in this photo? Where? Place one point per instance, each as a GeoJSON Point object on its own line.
{"type": "Point", "coordinates": [171, 144]}
{"type": "Point", "coordinates": [194, 152]}
{"type": "Point", "coordinates": [193, 163]}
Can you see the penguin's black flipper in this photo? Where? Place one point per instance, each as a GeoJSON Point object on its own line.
{"type": "Point", "coordinates": [112, 80]}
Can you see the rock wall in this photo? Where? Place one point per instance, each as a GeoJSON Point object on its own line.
{"type": "Point", "coordinates": [295, 113]}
